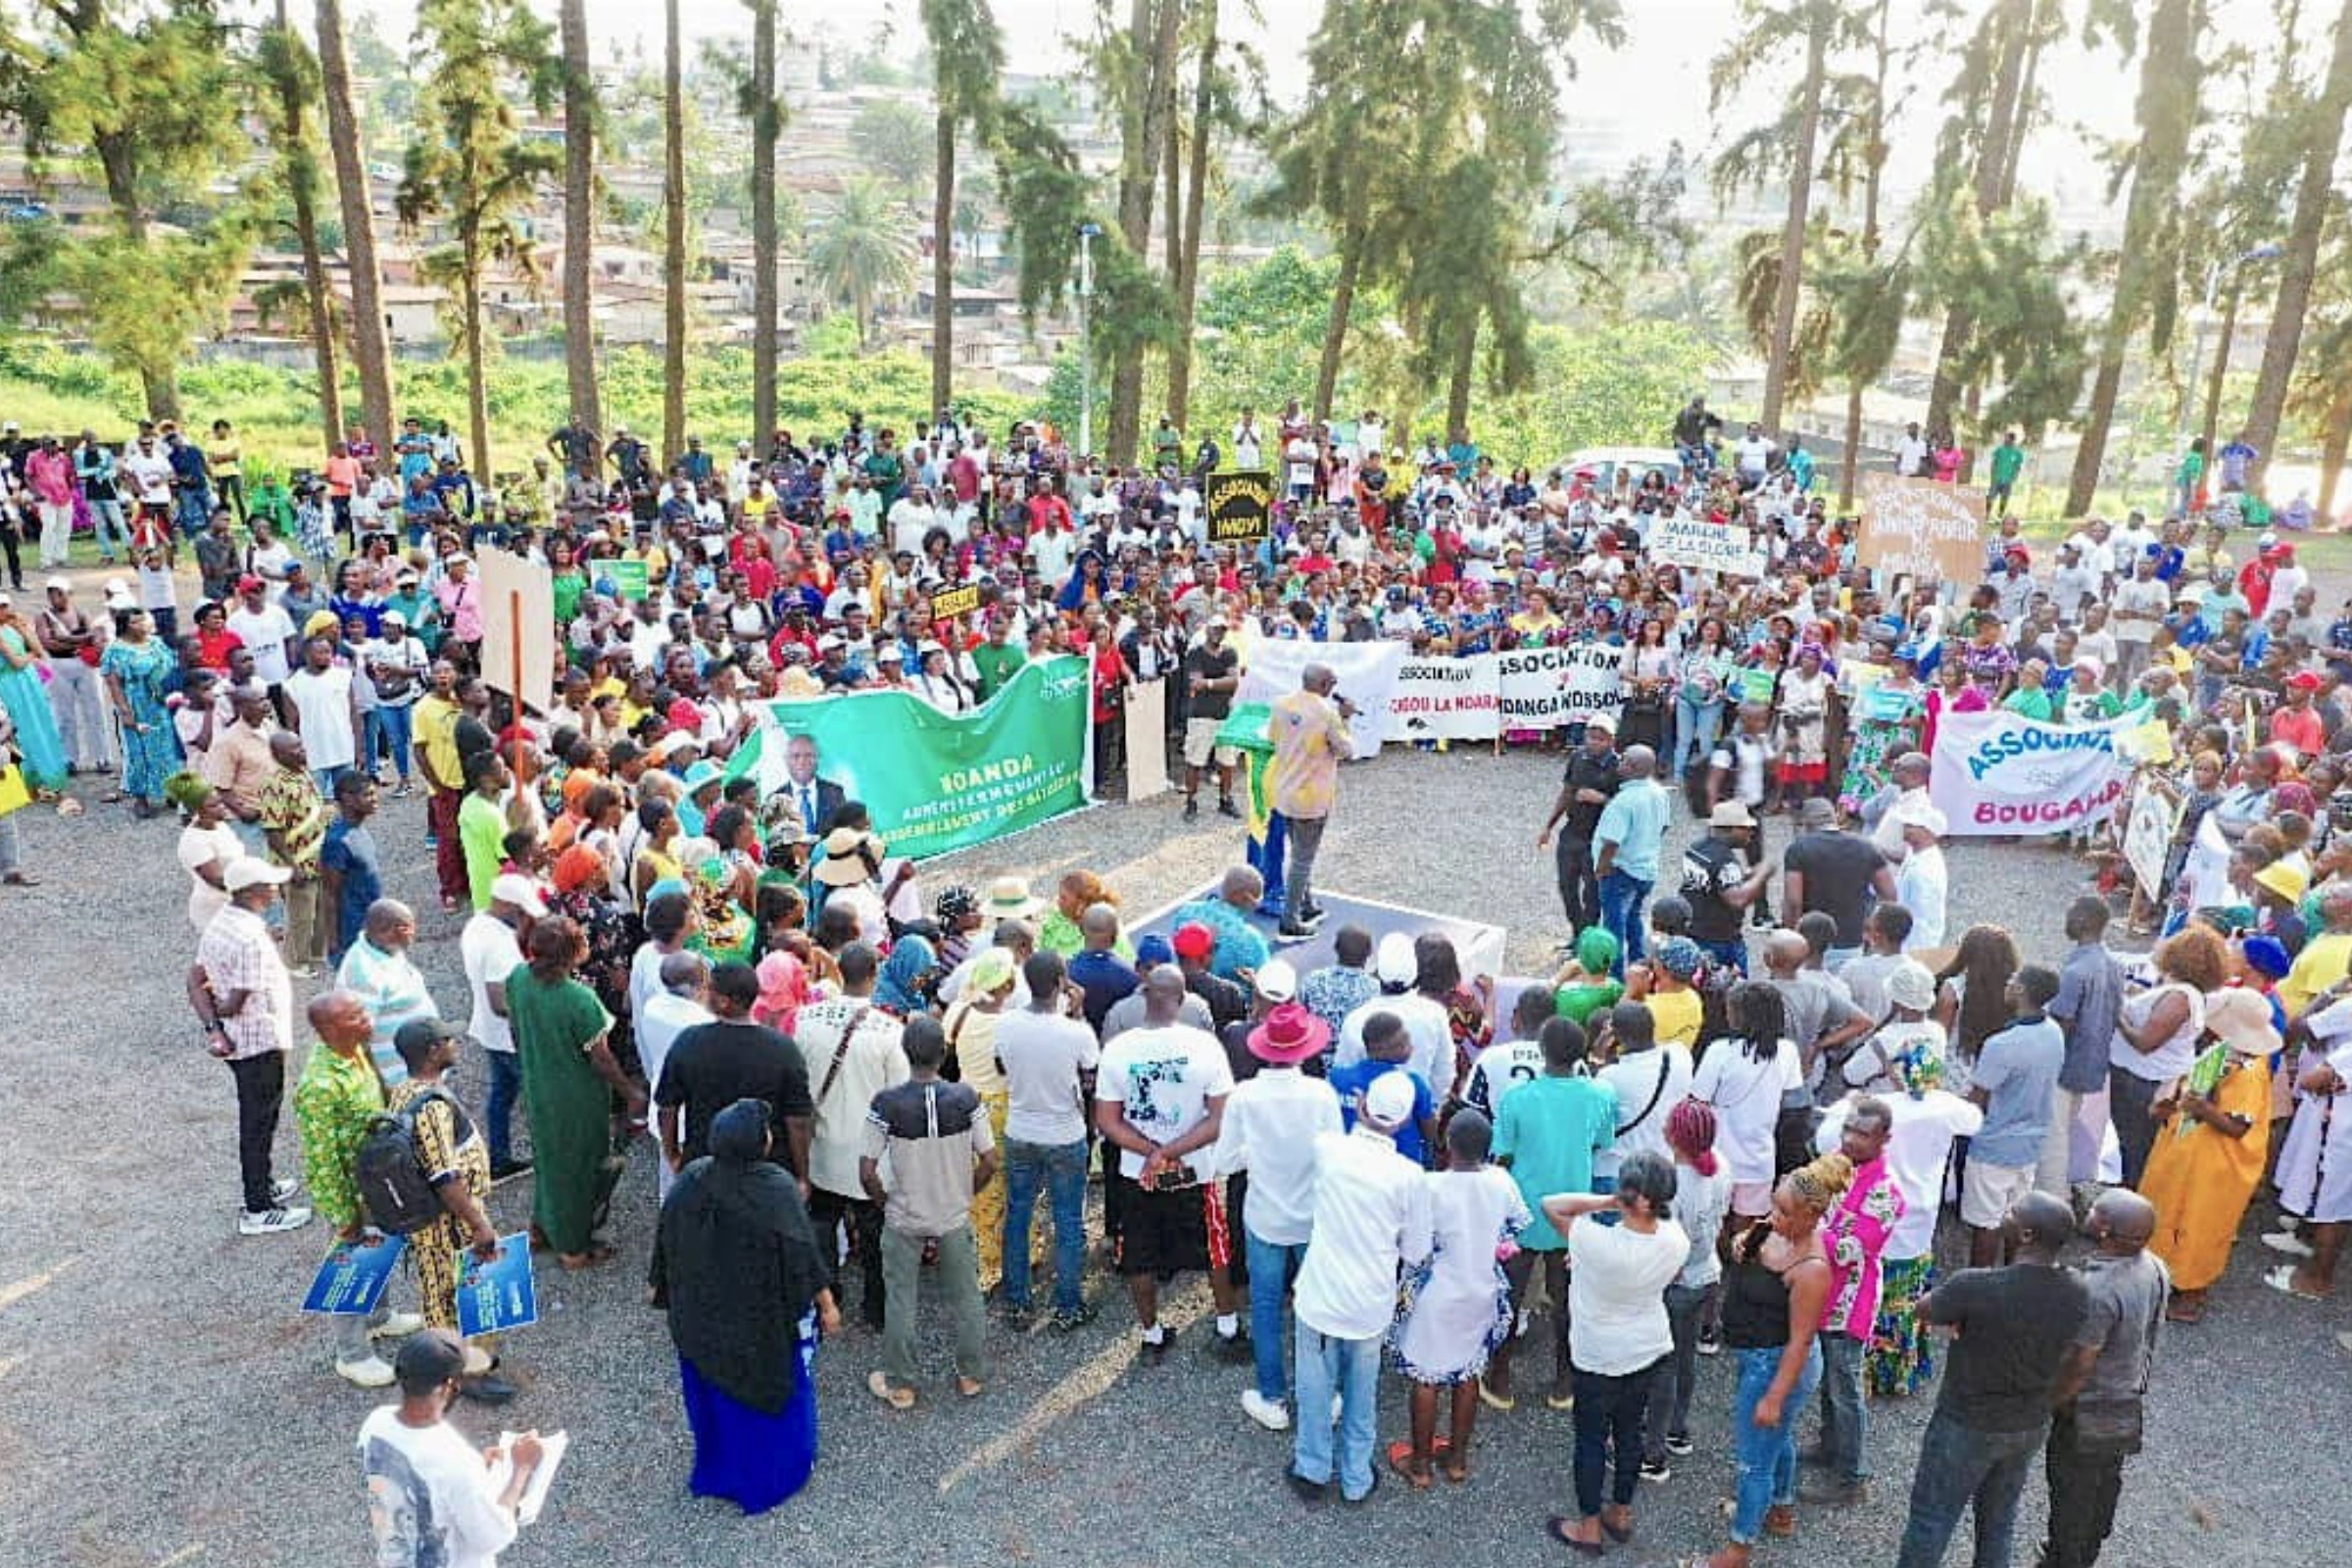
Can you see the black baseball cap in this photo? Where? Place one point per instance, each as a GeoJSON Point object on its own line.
{"type": "Point", "coordinates": [428, 1359]}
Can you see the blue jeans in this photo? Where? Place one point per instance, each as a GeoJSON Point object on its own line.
{"type": "Point", "coordinates": [1350, 1368]}
{"type": "Point", "coordinates": [1622, 899]}
{"type": "Point", "coordinates": [111, 531]}
{"type": "Point", "coordinates": [1695, 726]}
{"type": "Point", "coordinates": [1845, 1414]}
{"type": "Point", "coordinates": [1733, 954]}
{"type": "Point", "coordinates": [1766, 1456]}
{"type": "Point", "coordinates": [1060, 1169]}
{"type": "Point", "coordinates": [390, 726]}
{"type": "Point", "coordinates": [505, 1085]}
{"type": "Point", "coordinates": [1958, 1466]}
{"type": "Point", "coordinates": [1273, 1265]}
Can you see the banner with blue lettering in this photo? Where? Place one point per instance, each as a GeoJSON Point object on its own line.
{"type": "Point", "coordinates": [1998, 772]}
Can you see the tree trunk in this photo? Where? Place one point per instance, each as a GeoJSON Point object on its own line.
{"type": "Point", "coordinates": [117, 160]}
{"type": "Point", "coordinates": [943, 251]}
{"type": "Point", "coordinates": [1458, 378]}
{"type": "Point", "coordinates": [1188, 248]}
{"type": "Point", "coordinates": [477, 391]}
{"type": "Point", "coordinates": [1792, 228]}
{"type": "Point", "coordinates": [2333, 445]}
{"type": "Point", "coordinates": [766, 117]}
{"type": "Point", "coordinates": [1874, 181]}
{"type": "Point", "coordinates": [1334, 332]}
{"type": "Point", "coordinates": [2315, 201]}
{"type": "Point", "coordinates": [673, 235]}
{"type": "Point", "coordinates": [2166, 118]}
{"type": "Point", "coordinates": [1153, 38]}
{"type": "Point", "coordinates": [300, 175]}
{"type": "Point", "coordinates": [579, 219]}
{"type": "Point", "coordinates": [2220, 373]}
{"type": "Point", "coordinates": [370, 342]}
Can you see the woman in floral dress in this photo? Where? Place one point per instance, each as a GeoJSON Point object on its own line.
{"type": "Point", "coordinates": [1884, 724]}
{"type": "Point", "coordinates": [137, 671]}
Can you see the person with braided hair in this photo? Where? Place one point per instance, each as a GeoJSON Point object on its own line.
{"type": "Point", "coordinates": [1702, 1198]}
{"type": "Point", "coordinates": [1775, 1285]}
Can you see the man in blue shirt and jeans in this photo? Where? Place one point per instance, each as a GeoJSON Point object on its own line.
{"type": "Point", "coordinates": [1626, 846]}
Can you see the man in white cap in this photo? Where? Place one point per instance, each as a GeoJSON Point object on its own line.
{"type": "Point", "coordinates": [1266, 1149]}
{"type": "Point", "coordinates": [1721, 886]}
{"type": "Point", "coordinates": [1371, 1218]}
{"type": "Point", "coordinates": [1396, 965]}
{"type": "Point", "coordinates": [491, 949]}
{"type": "Point", "coordinates": [244, 996]}
{"type": "Point", "coordinates": [1921, 886]}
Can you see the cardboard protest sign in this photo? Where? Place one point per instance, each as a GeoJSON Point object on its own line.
{"type": "Point", "coordinates": [1922, 527]}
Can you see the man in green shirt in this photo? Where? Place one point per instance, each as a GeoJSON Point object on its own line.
{"type": "Point", "coordinates": [1546, 1132]}
{"type": "Point", "coordinates": [482, 825]}
{"type": "Point", "coordinates": [336, 1096]}
{"type": "Point", "coordinates": [2008, 461]}
{"type": "Point", "coordinates": [995, 658]}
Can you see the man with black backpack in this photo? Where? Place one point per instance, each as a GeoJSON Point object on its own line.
{"type": "Point", "coordinates": [451, 1157]}
{"type": "Point", "coordinates": [337, 1103]}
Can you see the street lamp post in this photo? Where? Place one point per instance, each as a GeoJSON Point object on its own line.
{"type": "Point", "coordinates": [1087, 233]}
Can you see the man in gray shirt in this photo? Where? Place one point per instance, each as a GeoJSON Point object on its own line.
{"type": "Point", "coordinates": [2089, 1000]}
{"type": "Point", "coordinates": [2104, 1379]}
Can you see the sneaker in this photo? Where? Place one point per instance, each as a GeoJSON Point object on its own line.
{"type": "Point", "coordinates": [486, 1390]}
{"type": "Point", "coordinates": [1192, 811]}
{"type": "Point", "coordinates": [1226, 807]}
{"type": "Point", "coordinates": [2288, 1242]}
{"type": "Point", "coordinates": [1016, 1319]}
{"type": "Point", "coordinates": [1657, 1470]}
{"type": "Point", "coordinates": [1268, 1413]}
{"type": "Point", "coordinates": [269, 1222]}
{"type": "Point", "coordinates": [1679, 1444]}
{"type": "Point", "coordinates": [1306, 1491]}
{"type": "Point", "coordinates": [397, 1326]}
{"type": "Point", "coordinates": [1311, 912]}
{"type": "Point", "coordinates": [1072, 1322]}
{"type": "Point", "coordinates": [1291, 931]}
{"type": "Point", "coordinates": [368, 1372]}
{"type": "Point", "coordinates": [1154, 1352]}
{"type": "Point", "coordinates": [1710, 1342]}
{"type": "Point", "coordinates": [283, 1188]}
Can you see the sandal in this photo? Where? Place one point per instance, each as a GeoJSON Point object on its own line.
{"type": "Point", "coordinates": [1623, 1535]}
{"type": "Point", "coordinates": [1401, 1460]}
{"type": "Point", "coordinates": [2185, 1312]}
{"type": "Point", "coordinates": [19, 879]}
{"type": "Point", "coordinates": [111, 798]}
{"type": "Point", "coordinates": [1492, 1400]}
{"type": "Point", "coordinates": [877, 1383]}
{"type": "Point", "coordinates": [577, 1261]}
{"type": "Point", "coordinates": [1780, 1521]}
{"type": "Point", "coordinates": [1558, 1527]}
{"type": "Point", "coordinates": [970, 1387]}
{"type": "Point", "coordinates": [2282, 1279]}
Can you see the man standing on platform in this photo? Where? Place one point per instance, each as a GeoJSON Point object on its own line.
{"type": "Point", "coordinates": [1310, 732]}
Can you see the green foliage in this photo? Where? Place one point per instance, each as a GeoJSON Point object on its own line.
{"type": "Point", "coordinates": [893, 138]}
{"type": "Point", "coordinates": [862, 252]}
{"type": "Point", "coordinates": [2009, 273]}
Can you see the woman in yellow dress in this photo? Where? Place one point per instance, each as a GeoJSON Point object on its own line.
{"type": "Point", "coordinates": [2213, 1139]}
{"type": "Point", "coordinates": [971, 1027]}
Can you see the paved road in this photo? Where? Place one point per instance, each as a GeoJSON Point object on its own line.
{"type": "Point", "coordinates": [161, 1403]}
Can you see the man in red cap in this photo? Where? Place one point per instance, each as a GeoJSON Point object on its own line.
{"type": "Point", "coordinates": [1196, 946]}
{"type": "Point", "coordinates": [2299, 723]}
{"type": "Point", "coordinates": [1271, 1122]}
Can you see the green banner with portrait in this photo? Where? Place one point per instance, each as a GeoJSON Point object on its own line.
{"type": "Point", "coordinates": [934, 782]}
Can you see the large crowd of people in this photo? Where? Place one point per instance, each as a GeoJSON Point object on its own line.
{"type": "Point", "coordinates": [1730, 1122]}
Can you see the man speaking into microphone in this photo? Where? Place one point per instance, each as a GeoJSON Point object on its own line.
{"type": "Point", "coordinates": [1310, 732]}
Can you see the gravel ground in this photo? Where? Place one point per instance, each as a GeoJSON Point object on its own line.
{"type": "Point", "coordinates": [161, 1402]}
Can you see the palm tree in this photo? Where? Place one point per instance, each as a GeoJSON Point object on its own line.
{"type": "Point", "coordinates": [2315, 201]}
{"type": "Point", "coordinates": [863, 254]}
{"type": "Point", "coordinates": [370, 342]}
{"type": "Point", "coordinates": [1184, 232]}
{"type": "Point", "coordinates": [673, 234]}
{"type": "Point", "coordinates": [968, 55]}
{"type": "Point", "coordinates": [2148, 259]}
{"type": "Point", "coordinates": [1764, 35]}
{"type": "Point", "coordinates": [471, 167]}
{"type": "Point", "coordinates": [291, 72]}
{"type": "Point", "coordinates": [766, 111]}
{"type": "Point", "coordinates": [579, 218]}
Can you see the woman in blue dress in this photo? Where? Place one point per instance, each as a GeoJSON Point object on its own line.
{"type": "Point", "coordinates": [737, 1266]}
{"type": "Point", "coordinates": [27, 700]}
{"type": "Point", "coordinates": [137, 669]}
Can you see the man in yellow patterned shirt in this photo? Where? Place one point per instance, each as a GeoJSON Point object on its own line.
{"type": "Point", "coordinates": [1310, 732]}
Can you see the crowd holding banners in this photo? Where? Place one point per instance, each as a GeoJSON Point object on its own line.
{"type": "Point", "coordinates": [713, 622]}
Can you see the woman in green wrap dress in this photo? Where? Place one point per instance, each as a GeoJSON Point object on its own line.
{"type": "Point", "coordinates": [569, 1081]}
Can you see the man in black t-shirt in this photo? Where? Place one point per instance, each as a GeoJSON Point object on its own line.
{"type": "Point", "coordinates": [712, 1065]}
{"type": "Point", "coordinates": [1211, 674]}
{"type": "Point", "coordinates": [1589, 780]}
{"type": "Point", "coordinates": [1836, 872]}
{"type": "Point", "coordinates": [1992, 1410]}
{"type": "Point", "coordinates": [1719, 885]}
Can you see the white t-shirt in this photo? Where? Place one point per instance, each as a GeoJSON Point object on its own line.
{"type": "Point", "coordinates": [490, 954]}
{"type": "Point", "coordinates": [1500, 1068]}
{"type": "Point", "coordinates": [1043, 1054]}
{"type": "Point", "coordinates": [322, 700]}
{"type": "Point", "coordinates": [1164, 1077]}
{"type": "Point", "coordinates": [1755, 455]}
{"type": "Point", "coordinates": [1643, 1102]}
{"type": "Point", "coordinates": [207, 846]}
{"type": "Point", "coordinates": [150, 476]}
{"type": "Point", "coordinates": [666, 1018]}
{"type": "Point", "coordinates": [1746, 1097]}
{"type": "Point", "coordinates": [265, 631]}
{"type": "Point", "coordinates": [1617, 1279]}
{"type": "Point", "coordinates": [429, 1496]}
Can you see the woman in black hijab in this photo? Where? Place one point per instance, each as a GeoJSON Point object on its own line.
{"type": "Point", "coordinates": [737, 1265]}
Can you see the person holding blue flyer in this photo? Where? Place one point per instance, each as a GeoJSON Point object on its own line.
{"type": "Point", "coordinates": [456, 1160]}
{"type": "Point", "coordinates": [336, 1100]}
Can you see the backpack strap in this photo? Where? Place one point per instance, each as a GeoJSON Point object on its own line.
{"type": "Point", "coordinates": [841, 1051]}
